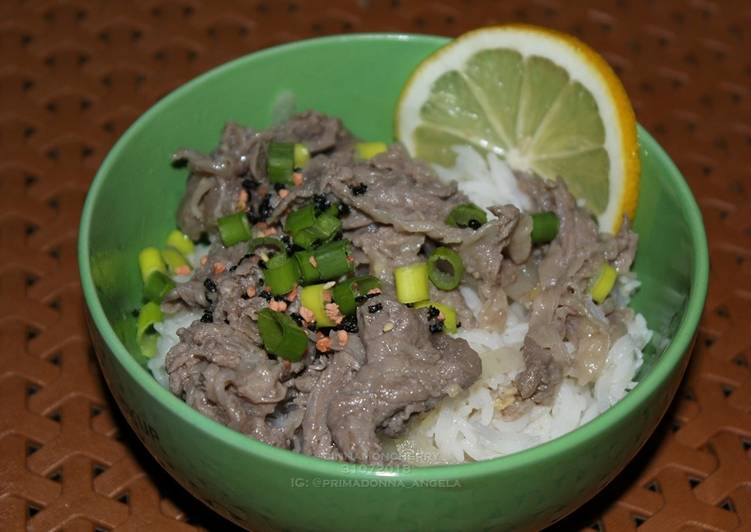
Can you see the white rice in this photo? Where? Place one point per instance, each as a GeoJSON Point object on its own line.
{"type": "Point", "coordinates": [471, 426]}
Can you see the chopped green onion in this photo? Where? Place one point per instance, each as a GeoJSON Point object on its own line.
{"type": "Point", "coordinates": [347, 293]}
{"type": "Point", "coordinates": [301, 156]}
{"type": "Point", "coordinates": [603, 284]}
{"type": "Point", "coordinates": [324, 229]}
{"type": "Point", "coordinates": [309, 230]}
{"type": "Point", "coordinates": [234, 228]}
{"type": "Point", "coordinates": [445, 268]}
{"type": "Point", "coordinates": [175, 261]}
{"type": "Point", "coordinates": [146, 336]}
{"type": "Point", "coordinates": [334, 260]}
{"type": "Point", "coordinates": [150, 261]}
{"type": "Point", "coordinates": [313, 297]}
{"type": "Point", "coordinates": [467, 215]}
{"type": "Point", "coordinates": [267, 241]}
{"type": "Point", "coordinates": [280, 162]}
{"type": "Point", "coordinates": [281, 274]}
{"type": "Point", "coordinates": [448, 313]}
{"type": "Point", "coordinates": [300, 219]}
{"type": "Point", "coordinates": [157, 286]}
{"type": "Point", "coordinates": [308, 266]}
{"type": "Point", "coordinates": [544, 227]}
{"type": "Point", "coordinates": [181, 242]}
{"type": "Point", "coordinates": [412, 283]}
{"type": "Point", "coordinates": [366, 150]}
{"type": "Point", "coordinates": [281, 335]}
{"type": "Point", "coordinates": [325, 263]}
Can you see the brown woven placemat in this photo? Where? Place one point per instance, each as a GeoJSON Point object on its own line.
{"type": "Point", "coordinates": [75, 74]}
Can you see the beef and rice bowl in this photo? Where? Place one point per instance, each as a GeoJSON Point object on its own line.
{"type": "Point", "coordinates": [338, 299]}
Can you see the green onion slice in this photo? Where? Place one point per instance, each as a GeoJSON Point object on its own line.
{"type": "Point", "coordinates": [281, 274]}
{"type": "Point", "coordinates": [412, 283]}
{"type": "Point", "coordinates": [544, 227]}
{"type": "Point", "coordinates": [366, 150]}
{"type": "Point", "coordinates": [325, 263]}
{"type": "Point", "coordinates": [309, 230]}
{"type": "Point", "coordinates": [181, 242]}
{"type": "Point", "coordinates": [175, 260]}
{"type": "Point", "coordinates": [300, 219]}
{"type": "Point", "coordinates": [280, 162]}
{"type": "Point", "coordinates": [281, 335]}
{"type": "Point", "coordinates": [146, 336]}
{"type": "Point", "coordinates": [467, 215]}
{"type": "Point", "coordinates": [234, 228]}
{"type": "Point", "coordinates": [150, 261]}
{"type": "Point", "coordinates": [157, 286]}
{"type": "Point", "coordinates": [301, 155]}
{"type": "Point", "coordinates": [445, 268]}
{"type": "Point", "coordinates": [603, 284]}
{"type": "Point", "coordinates": [267, 241]}
{"type": "Point", "coordinates": [448, 313]}
{"type": "Point", "coordinates": [347, 293]}
{"type": "Point", "coordinates": [314, 297]}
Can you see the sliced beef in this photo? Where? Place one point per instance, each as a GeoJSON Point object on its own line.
{"type": "Point", "coordinates": [541, 376]}
{"type": "Point", "coordinates": [315, 130]}
{"type": "Point", "coordinates": [393, 190]}
{"type": "Point", "coordinates": [384, 248]}
{"type": "Point", "coordinates": [482, 250]}
{"type": "Point", "coordinates": [342, 366]}
{"type": "Point", "coordinates": [223, 374]}
{"type": "Point", "coordinates": [407, 370]}
{"type": "Point", "coordinates": [562, 312]}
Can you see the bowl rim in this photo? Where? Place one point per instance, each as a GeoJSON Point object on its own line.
{"type": "Point", "coordinates": [670, 358]}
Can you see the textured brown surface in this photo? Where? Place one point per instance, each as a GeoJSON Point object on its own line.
{"type": "Point", "coordinates": [74, 75]}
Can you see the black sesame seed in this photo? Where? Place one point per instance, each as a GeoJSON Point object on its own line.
{"type": "Point", "coordinates": [244, 295]}
{"type": "Point", "coordinates": [279, 297]}
{"type": "Point", "coordinates": [436, 327]}
{"type": "Point", "coordinates": [286, 239]}
{"type": "Point", "coordinates": [265, 209]}
{"type": "Point", "coordinates": [265, 294]}
{"type": "Point", "coordinates": [343, 209]}
{"type": "Point", "coordinates": [207, 317]}
{"type": "Point", "coordinates": [474, 225]}
{"type": "Point", "coordinates": [279, 186]}
{"type": "Point", "coordinates": [321, 203]}
{"type": "Point", "coordinates": [458, 324]}
{"type": "Point", "coordinates": [233, 267]}
{"type": "Point", "coordinates": [226, 321]}
{"type": "Point", "coordinates": [261, 282]}
{"type": "Point", "coordinates": [262, 264]}
{"type": "Point", "coordinates": [209, 284]}
{"type": "Point", "coordinates": [375, 308]}
{"type": "Point", "coordinates": [361, 298]}
{"type": "Point", "coordinates": [433, 312]}
{"type": "Point", "coordinates": [312, 326]}
{"type": "Point", "coordinates": [296, 316]}
{"type": "Point", "coordinates": [374, 294]}
{"type": "Point", "coordinates": [349, 323]}
{"type": "Point", "coordinates": [358, 190]}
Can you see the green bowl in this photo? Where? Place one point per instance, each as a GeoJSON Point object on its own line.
{"type": "Point", "coordinates": [132, 204]}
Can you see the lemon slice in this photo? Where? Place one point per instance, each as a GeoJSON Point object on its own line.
{"type": "Point", "coordinates": [541, 100]}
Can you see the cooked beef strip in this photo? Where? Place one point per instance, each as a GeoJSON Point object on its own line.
{"type": "Point", "coordinates": [399, 193]}
{"type": "Point", "coordinates": [559, 311]}
{"type": "Point", "coordinates": [407, 370]}
{"type": "Point", "coordinates": [223, 374]}
{"type": "Point", "coordinates": [342, 366]}
{"type": "Point", "coordinates": [385, 248]}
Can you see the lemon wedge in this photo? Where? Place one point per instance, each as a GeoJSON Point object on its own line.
{"type": "Point", "coordinates": [540, 100]}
